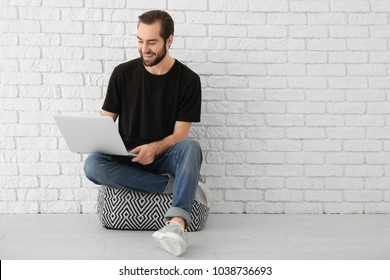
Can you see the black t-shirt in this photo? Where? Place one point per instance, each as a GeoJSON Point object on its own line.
{"type": "Point", "coordinates": [149, 105]}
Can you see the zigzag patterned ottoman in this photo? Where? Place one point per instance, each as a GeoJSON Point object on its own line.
{"type": "Point", "coordinates": [125, 209]}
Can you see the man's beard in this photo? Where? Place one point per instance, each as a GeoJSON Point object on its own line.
{"type": "Point", "coordinates": [158, 57]}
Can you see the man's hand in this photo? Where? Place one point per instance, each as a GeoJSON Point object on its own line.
{"type": "Point", "coordinates": [146, 154]}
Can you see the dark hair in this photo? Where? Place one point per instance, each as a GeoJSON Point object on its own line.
{"type": "Point", "coordinates": [167, 25]}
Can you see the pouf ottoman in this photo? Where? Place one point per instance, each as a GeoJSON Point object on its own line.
{"type": "Point", "coordinates": [131, 210]}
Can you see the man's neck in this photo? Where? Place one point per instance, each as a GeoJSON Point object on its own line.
{"type": "Point", "coordinates": [163, 67]}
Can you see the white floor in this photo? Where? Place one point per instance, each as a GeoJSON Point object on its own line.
{"type": "Point", "coordinates": [227, 236]}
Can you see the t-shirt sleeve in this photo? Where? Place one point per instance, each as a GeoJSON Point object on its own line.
{"type": "Point", "coordinates": [112, 102]}
{"type": "Point", "coordinates": [191, 102]}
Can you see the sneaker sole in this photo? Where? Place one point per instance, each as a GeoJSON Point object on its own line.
{"type": "Point", "coordinates": [170, 243]}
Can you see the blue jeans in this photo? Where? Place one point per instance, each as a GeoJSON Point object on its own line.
{"type": "Point", "coordinates": [183, 161]}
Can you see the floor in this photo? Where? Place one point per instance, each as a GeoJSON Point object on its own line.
{"type": "Point", "coordinates": [225, 237]}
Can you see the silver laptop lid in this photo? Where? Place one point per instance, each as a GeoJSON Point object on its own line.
{"type": "Point", "coordinates": [92, 134]}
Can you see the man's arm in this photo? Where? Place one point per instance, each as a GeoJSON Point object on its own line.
{"type": "Point", "coordinates": [114, 116]}
{"type": "Point", "coordinates": [147, 153]}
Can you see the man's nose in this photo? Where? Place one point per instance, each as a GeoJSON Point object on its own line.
{"type": "Point", "coordinates": [145, 48]}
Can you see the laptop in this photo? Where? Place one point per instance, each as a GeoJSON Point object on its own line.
{"type": "Point", "coordinates": [92, 134]}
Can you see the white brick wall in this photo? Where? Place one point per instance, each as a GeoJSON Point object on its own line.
{"type": "Point", "coordinates": [295, 111]}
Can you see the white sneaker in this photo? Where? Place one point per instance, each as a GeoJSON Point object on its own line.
{"type": "Point", "coordinates": [172, 238]}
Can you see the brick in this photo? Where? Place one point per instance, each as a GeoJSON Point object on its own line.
{"type": "Point", "coordinates": [227, 82]}
{"type": "Point", "coordinates": [362, 145]}
{"type": "Point", "coordinates": [344, 183]}
{"type": "Point", "coordinates": [283, 195]}
{"type": "Point", "coordinates": [367, 44]}
{"type": "Point", "coordinates": [286, 44]}
{"type": "Point", "coordinates": [191, 30]}
{"type": "Point", "coordinates": [284, 170]}
{"type": "Point", "coordinates": [244, 94]}
{"type": "Point", "coordinates": [266, 107]}
{"type": "Point", "coordinates": [63, 3]}
{"type": "Point", "coordinates": [363, 196]}
{"type": "Point", "coordinates": [323, 196]}
{"type": "Point", "coordinates": [267, 82]}
{"type": "Point", "coordinates": [62, 27]}
{"type": "Point", "coordinates": [62, 52]}
{"type": "Point", "coordinates": [61, 181]}
{"type": "Point", "coordinates": [305, 108]}
{"type": "Point", "coordinates": [248, 69]}
{"type": "Point", "coordinates": [243, 195]}
{"type": "Point", "coordinates": [79, 194]}
{"type": "Point", "coordinates": [283, 145]}
{"type": "Point", "coordinates": [308, 32]}
{"type": "Point", "coordinates": [207, 17]}
{"type": "Point", "coordinates": [21, 78]}
{"type": "Point", "coordinates": [348, 82]}
{"type": "Point", "coordinates": [225, 182]}
{"type": "Point", "coordinates": [227, 5]}
{"type": "Point", "coordinates": [267, 57]}
{"type": "Point", "coordinates": [364, 171]}
{"type": "Point", "coordinates": [323, 170]}
{"type": "Point", "coordinates": [345, 133]}
{"type": "Point", "coordinates": [348, 57]}
{"type": "Point", "coordinates": [242, 145]}
{"type": "Point", "coordinates": [42, 13]}
{"type": "Point", "coordinates": [12, 207]}
{"type": "Point", "coordinates": [303, 208]}
{"type": "Point", "coordinates": [39, 169]}
{"type": "Point", "coordinates": [60, 207]}
{"type": "Point", "coordinates": [343, 208]}
{"type": "Point", "coordinates": [380, 6]}
{"type": "Point", "coordinates": [377, 208]}
{"type": "Point", "coordinates": [304, 158]}
{"type": "Point", "coordinates": [41, 65]}
{"type": "Point", "coordinates": [268, 31]}
{"type": "Point", "coordinates": [265, 183]}
{"type": "Point", "coordinates": [265, 133]}
{"type": "Point", "coordinates": [285, 120]}
{"type": "Point", "coordinates": [83, 14]}
{"type": "Point", "coordinates": [304, 183]}
{"type": "Point", "coordinates": [21, 156]}
{"type": "Point", "coordinates": [197, 43]}
{"type": "Point", "coordinates": [62, 79]}
{"type": "Point", "coordinates": [330, 19]}
{"type": "Point", "coordinates": [285, 95]}
{"type": "Point", "coordinates": [286, 19]}
{"type": "Point", "coordinates": [286, 70]}
{"type": "Point", "coordinates": [228, 207]}
{"type": "Point", "coordinates": [349, 32]}
{"type": "Point", "coordinates": [82, 40]}
{"type": "Point", "coordinates": [104, 28]}
{"type": "Point", "coordinates": [225, 107]}
{"type": "Point", "coordinates": [345, 158]}
{"type": "Point", "coordinates": [306, 133]}
{"type": "Point", "coordinates": [365, 120]}
{"type": "Point", "coordinates": [268, 6]}
{"type": "Point", "coordinates": [264, 157]}
{"type": "Point", "coordinates": [20, 26]}
{"type": "Point", "coordinates": [350, 6]}
{"type": "Point", "coordinates": [19, 104]}
{"type": "Point", "coordinates": [346, 108]}
{"type": "Point", "coordinates": [245, 18]}
{"type": "Point", "coordinates": [37, 195]}
{"type": "Point", "coordinates": [7, 195]}
{"type": "Point", "coordinates": [244, 170]}
{"type": "Point", "coordinates": [245, 120]}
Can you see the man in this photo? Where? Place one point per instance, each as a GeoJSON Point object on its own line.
{"type": "Point", "coordinates": [156, 99]}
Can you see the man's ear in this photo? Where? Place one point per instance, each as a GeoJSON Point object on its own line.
{"type": "Point", "coordinates": [170, 41]}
